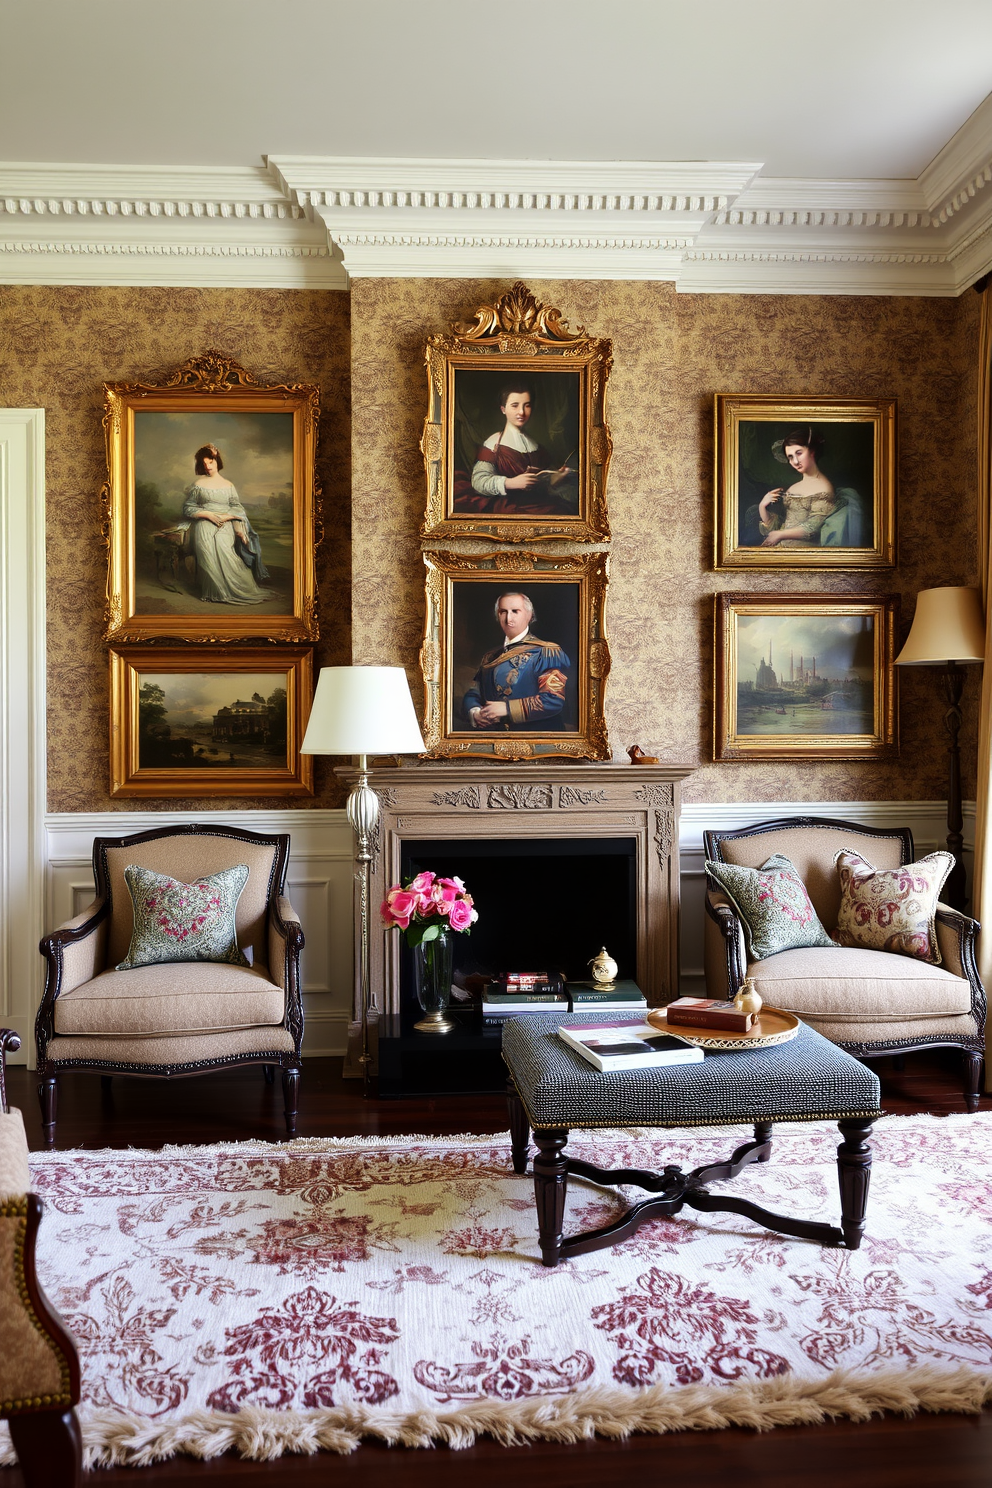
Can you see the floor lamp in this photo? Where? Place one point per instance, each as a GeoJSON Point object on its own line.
{"type": "Point", "coordinates": [948, 630]}
{"type": "Point", "coordinates": [363, 710]}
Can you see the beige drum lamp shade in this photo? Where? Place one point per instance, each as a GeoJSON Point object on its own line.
{"type": "Point", "coordinates": [948, 626]}
{"type": "Point", "coordinates": [362, 710]}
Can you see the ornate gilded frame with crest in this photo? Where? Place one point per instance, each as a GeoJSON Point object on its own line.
{"type": "Point", "coordinates": [168, 577]}
{"type": "Point", "coordinates": [463, 636]}
{"type": "Point", "coordinates": [517, 341]}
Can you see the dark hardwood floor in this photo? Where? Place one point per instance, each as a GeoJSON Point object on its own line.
{"type": "Point", "coordinates": [953, 1451]}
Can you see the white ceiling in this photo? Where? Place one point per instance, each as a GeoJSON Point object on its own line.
{"type": "Point", "coordinates": [809, 88]}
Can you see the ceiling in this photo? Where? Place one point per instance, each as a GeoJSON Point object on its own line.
{"type": "Point", "coordinates": [808, 88]}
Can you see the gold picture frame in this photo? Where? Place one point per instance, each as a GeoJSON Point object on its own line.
{"type": "Point", "coordinates": [835, 698]}
{"type": "Point", "coordinates": [192, 564]}
{"type": "Point", "coordinates": [560, 447]}
{"type": "Point", "coordinates": [552, 696]}
{"type": "Point", "coordinates": [176, 711]}
{"type": "Point", "coordinates": [841, 516]}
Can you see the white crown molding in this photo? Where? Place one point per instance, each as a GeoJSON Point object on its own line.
{"type": "Point", "coordinates": [311, 222]}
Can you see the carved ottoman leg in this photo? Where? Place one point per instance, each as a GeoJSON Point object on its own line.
{"type": "Point", "coordinates": [763, 1133]}
{"type": "Point", "coordinates": [854, 1172]}
{"type": "Point", "coordinates": [972, 1079]}
{"type": "Point", "coordinates": [49, 1448]}
{"type": "Point", "coordinates": [519, 1128]}
{"type": "Point", "coordinates": [291, 1095]}
{"type": "Point", "coordinates": [550, 1182]}
{"type": "Point", "coordinates": [48, 1094]}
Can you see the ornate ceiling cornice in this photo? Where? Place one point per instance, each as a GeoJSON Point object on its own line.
{"type": "Point", "coordinates": [311, 222]}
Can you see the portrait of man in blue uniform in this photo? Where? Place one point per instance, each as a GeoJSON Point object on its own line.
{"type": "Point", "coordinates": [522, 684]}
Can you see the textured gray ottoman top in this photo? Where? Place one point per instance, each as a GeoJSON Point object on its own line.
{"type": "Point", "coordinates": [809, 1079]}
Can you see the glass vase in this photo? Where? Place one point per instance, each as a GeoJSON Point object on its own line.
{"type": "Point", "coordinates": [432, 961]}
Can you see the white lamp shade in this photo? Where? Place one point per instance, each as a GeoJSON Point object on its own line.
{"type": "Point", "coordinates": [362, 710]}
{"type": "Point", "coordinates": [948, 626]}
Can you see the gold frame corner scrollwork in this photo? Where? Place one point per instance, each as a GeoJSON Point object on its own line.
{"type": "Point", "coordinates": [517, 333]}
{"type": "Point", "coordinates": [211, 382]}
{"type": "Point", "coordinates": [444, 569]}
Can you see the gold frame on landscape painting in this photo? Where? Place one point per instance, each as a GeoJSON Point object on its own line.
{"type": "Point", "coordinates": [517, 337]}
{"type": "Point", "coordinates": [827, 709]}
{"type": "Point", "coordinates": [200, 395]}
{"type": "Point", "coordinates": [461, 628]}
{"type": "Point", "coordinates": [858, 450]}
{"type": "Point", "coordinates": [130, 776]}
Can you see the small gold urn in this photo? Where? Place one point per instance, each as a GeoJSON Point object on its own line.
{"type": "Point", "coordinates": [604, 970]}
{"type": "Point", "coordinates": [748, 999]}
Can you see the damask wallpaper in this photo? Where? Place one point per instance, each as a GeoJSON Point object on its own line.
{"type": "Point", "coordinates": [671, 354]}
{"type": "Point", "coordinates": [58, 346]}
{"type": "Point", "coordinates": [365, 350]}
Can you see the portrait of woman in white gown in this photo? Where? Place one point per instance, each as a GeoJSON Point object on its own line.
{"type": "Point", "coordinates": [227, 550]}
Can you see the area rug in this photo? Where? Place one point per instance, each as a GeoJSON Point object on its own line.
{"type": "Point", "coordinates": [306, 1296]}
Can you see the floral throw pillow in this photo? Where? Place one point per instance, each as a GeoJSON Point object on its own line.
{"type": "Point", "coordinates": [176, 921]}
{"type": "Point", "coordinates": [891, 909]}
{"type": "Point", "coordinates": [773, 905]}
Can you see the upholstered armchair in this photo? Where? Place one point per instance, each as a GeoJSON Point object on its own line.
{"type": "Point", "coordinates": [183, 1017]}
{"type": "Point", "coordinates": [872, 1003]}
{"type": "Point", "coordinates": [39, 1366]}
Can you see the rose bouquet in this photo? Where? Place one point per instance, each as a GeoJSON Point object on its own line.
{"type": "Point", "coordinates": [428, 905]}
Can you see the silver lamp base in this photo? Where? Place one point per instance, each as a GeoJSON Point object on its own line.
{"type": "Point", "coordinates": [434, 1023]}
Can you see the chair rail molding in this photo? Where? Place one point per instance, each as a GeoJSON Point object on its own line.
{"type": "Point", "coordinates": [22, 717]}
{"type": "Point", "coordinates": [709, 227]}
{"type": "Point", "coordinates": [319, 883]}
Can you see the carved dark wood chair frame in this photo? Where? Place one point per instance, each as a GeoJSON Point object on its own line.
{"type": "Point", "coordinates": [961, 926]}
{"type": "Point", "coordinates": [289, 929]}
{"type": "Point", "coordinates": [44, 1428]}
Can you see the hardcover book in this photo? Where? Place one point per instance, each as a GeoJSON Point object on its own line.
{"type": "Point", "coordinates": [707, 1012]}
{"type": "Point", "coordinates": [627, 1046]}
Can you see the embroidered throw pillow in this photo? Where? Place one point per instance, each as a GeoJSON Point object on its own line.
{"type": "Point", "coordinates": [773, 904]}
{"type": "Point", "coordinates": [891, 909]}
{"type": "Point", "coordinates": [176, 921]}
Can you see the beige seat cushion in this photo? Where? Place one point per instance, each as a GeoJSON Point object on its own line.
{"type": "Point", "coordinates": [858, 986]}
{"type": "Point", "coordinates": [176, 997]}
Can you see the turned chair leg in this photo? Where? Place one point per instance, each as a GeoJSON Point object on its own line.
{"type": "Point", "coordinates": [291, 1095]}
{"type": "Point", "coordinates": [48, 1095]}
{"type": "Point", "coordinates": [972, 1079]}
{"type": "Point", "coordinates": [49, 1448]}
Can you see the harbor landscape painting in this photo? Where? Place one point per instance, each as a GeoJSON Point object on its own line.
{"type": "Point", "coordinates": [810, 675]}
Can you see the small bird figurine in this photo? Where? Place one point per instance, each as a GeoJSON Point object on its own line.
{"type": "Point", "coordinates": [604, 969]}
{"type": "Point", "coordinates": [638, 757]}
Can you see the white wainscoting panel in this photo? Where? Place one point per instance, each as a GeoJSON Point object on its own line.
{"type": "Point", "coordinates": [318, 883]}
{"type": "Point", "coordinates": [927, 820]}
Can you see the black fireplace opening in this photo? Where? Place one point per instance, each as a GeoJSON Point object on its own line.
{"type": "Point", "coordinates": [545, 904]}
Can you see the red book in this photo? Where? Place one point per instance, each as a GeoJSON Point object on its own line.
{"type": "Point", "coordinates": [707, 1012]}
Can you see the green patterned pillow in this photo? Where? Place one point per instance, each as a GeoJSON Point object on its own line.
{"type": "Point", "coordinates": [773, 905]}
{"type": "Point", "coordinates": [176, 921]}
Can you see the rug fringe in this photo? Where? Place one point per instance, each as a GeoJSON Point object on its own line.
{"type": "Point", "coordinates": [112, 1439]}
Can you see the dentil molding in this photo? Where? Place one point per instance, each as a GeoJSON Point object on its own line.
{"type": "Point", "coordinates": [314, 222]}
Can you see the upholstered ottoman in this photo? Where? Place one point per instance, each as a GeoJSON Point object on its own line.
{"type": "Point", "coordinates": [552, 1089]}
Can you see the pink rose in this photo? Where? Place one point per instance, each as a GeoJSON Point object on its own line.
{"type": "Point", "coordinates": [422, 883]}
{"type": "Point", "coordinates": [397, 907]}
{"type": "Point", "coordinates": [461, 915]}
{"type": "Point", "coordinates": [444, 892]}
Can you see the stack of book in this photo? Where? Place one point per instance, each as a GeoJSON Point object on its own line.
{"type": "Point", "coordinates": [623, 996]}
{"type": "Point", "coordinates": [708, 1012]}
{"type": "Point", "coordinates": [524, 992]}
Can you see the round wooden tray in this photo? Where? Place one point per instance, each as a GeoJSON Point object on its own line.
{"type": "Point", "coordinates": [770, 1027]}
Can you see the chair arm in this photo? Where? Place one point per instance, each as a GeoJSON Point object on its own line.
{"type": "Point", "coordinates": [74, 954]}
{"type": "Point", "coordinates": [725, 951]}
{"type": "Point", "coordinates": [956, 936]}
{"type": "Point", "coordinates": [286, 941]}
{"type": "Point", "coordinates": [9, 1040]}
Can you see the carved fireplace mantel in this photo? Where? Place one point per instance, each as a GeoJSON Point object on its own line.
{"type": "Point", "coordinates": [483, 801]}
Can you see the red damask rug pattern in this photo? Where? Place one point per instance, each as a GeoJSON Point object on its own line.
{"type": "Point", "coordinates": [307, 1295]}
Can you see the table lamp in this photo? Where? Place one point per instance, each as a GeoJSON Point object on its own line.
{"type": "Point", "coordinates": [948, 630]}
{"type": "Point", "coordinates": [363, 710]}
